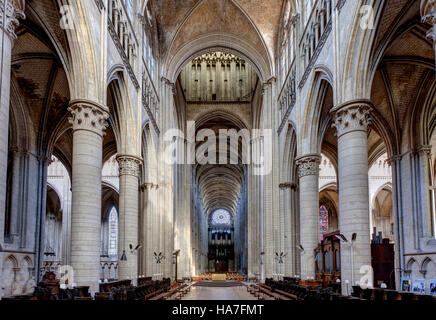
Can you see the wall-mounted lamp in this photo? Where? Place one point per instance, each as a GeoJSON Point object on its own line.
{"type": "Point", "coordinates": [123, 256]}
{"type": "Point", "coordinates": [132, 251]}
{"type": "Point", "coordinates": [159, 257]}
{"type": "Point", "coordinates": [300, 247]}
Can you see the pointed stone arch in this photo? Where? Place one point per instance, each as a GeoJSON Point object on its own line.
{"type": "Point", "coordinates": [316, 124]}
{"type": "Point", "coordinates": [85, 79]}
{"type": "Point", "coordinates": [357, 57]}
{"type": "Point", "coordinates": [191, 41]}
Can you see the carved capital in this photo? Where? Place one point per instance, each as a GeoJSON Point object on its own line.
{"type": "Point", "coordinates": [170, 84]}
{"type": "Point", "coordinates": [295, 18]}
{"type": "Point", "coordinates": [165, 81]}
{"type": "Point", "coordinates": [431, 34]}
{"type": "Point", "coordinates": [428, 14]}
{"type": "Point", "coordinates": [352, 116]}
{"type": "Point", "coordinates": [88, 115]}
{"type": "Point", "coordinates": [394, 159]}
{"type": "Point", "coordinates": [424, 151]}
{"type": "Point", "coordinates": [149, 186]}
{"type": "Point", "coordinates": [10, 11]}
{"type": "Point", "coordinates": [308, 165]}
{"type": "Point", "coordinates": [288, 185]}
{"type": "Point", "coordinates": [428, 11]}
{"type": "Point", "coordinates": [129, 165]}
{"type": "Point", "coordinates": [266, 86]}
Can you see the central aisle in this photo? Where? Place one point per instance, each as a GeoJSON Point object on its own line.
{"type": "Point", "coordinates": [216, 293]}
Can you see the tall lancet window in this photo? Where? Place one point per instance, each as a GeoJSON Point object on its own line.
{"type": "Point", "coordinates": [113, 233]}
{"type": "Point", "coordinates": [323, 221]}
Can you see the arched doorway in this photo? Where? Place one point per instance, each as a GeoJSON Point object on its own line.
{"type": "Point", "coordinates": [382, 214]}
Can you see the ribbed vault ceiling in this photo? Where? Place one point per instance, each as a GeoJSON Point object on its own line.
{"type": "Point", "coordinates": [220, 185]}
{"type": "Point", "coordinates": [180, 21]}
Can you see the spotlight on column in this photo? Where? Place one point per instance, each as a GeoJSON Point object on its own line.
{"type": "Point", "coordinates": [132, 251]}
{"type": "Point", "coordinates": [353, 237]}
{"type": "Point", "coordinates": [342, 237]}
{"type": "Point", "coordinates": [300, 247]}
{"type": "Point", "coordinates": [123, 256]}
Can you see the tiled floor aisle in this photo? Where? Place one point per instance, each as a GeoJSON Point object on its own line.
{"type": "Point", "coordinates": [211, 293]}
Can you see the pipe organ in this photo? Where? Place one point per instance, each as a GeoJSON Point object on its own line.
{"type": "Point", "coordinates": [221, 250]}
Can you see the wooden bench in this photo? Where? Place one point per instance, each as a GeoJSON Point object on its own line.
{"type": "Point", "coordinates": [107, 286]}
{"type": "Point", "coordinates": [153, 294]}
{"type": "Point", "coordinates": [253, 289]}
{"type": "Point", "coordinates": [165, 295]}
{"type": "Point", "coordinates": [263, 296]}
{"type": "Point", "coordinates": [184, 289]}
{"type": "Point", "coordinates": [83, 298]}
{"type": "Point", "coordinates": [287, 294]}
{"type": "Point", "coordinates": [266, 286]}
{"type": "Point", "coordinates": [172, 292]}
{"type": "Point", "coordinates": [179, 291]}
{"type": "Point", "coordinates": [268, 291]}
{"type": "Point", "coordinates": [23, 297]}
{"type": "Point", "coordinates": [103, 296]}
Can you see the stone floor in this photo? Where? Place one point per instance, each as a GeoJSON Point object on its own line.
{"type": "Point", "coordinates": [215, 293]}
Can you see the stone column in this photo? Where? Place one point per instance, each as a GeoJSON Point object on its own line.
{"type": "Point", "coordinates": [270, 175]}
{"type": "Point", "coordinates": [89, 125]}
{"type": "Point", "coordinates": [252, 224]}
{"type": "Point", "coordinates": [182, 215]}
{"type": "Point", "coordinates": [9, 14]}
{"type": "Point", "coordinates": [129, 216]}
{"type": "Point", "coordinates": [425, 221]}
{"type": "Point", "coordinates": [288, 190]}
{"type": "Point", "coordinates": [150, 225]}
{"type": "Point", "coordinates": [395, 163]}
{"type": "Point", "coordinates": [351, 121]}
{"type": "Point", "coordinates": [143, 231]}
{"type": "Point", "coordinates": [167, 179]}
{"type": "Point", "coordinates": [308, 173]}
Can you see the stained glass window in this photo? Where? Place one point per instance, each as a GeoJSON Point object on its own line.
{"type": "Point", "coordinates": [113, 232]}
{"type": "Point", "coordinates": [323, 221]}
{"type": "Point", "coordinates": [221, 217]}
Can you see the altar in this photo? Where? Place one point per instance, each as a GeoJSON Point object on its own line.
{"type": "Point", "coordinates": [219, 277]}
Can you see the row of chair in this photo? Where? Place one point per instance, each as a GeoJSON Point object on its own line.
{"type": "Point", "coordinates": [177, 292]}
{"type": "Point", "coordinates": [124, 290]}
{"type": "Point", "coordinates": [295, 289]}
{"type": "Point", "coordinates": [377, 294]}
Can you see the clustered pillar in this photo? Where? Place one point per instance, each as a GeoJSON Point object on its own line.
{"type": "Point", "coordinates": [308, 172]}
{"type": "Point", "coordinates": [269, 224]}
{"type": "Point", "coordinates": [9, 14]}
{"type": "Point", "coordinates": [351, 121]}
{"type": "Point", "coordinates": [129, 216]}
{"type": "Point", "coordinates": [89, 125]}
